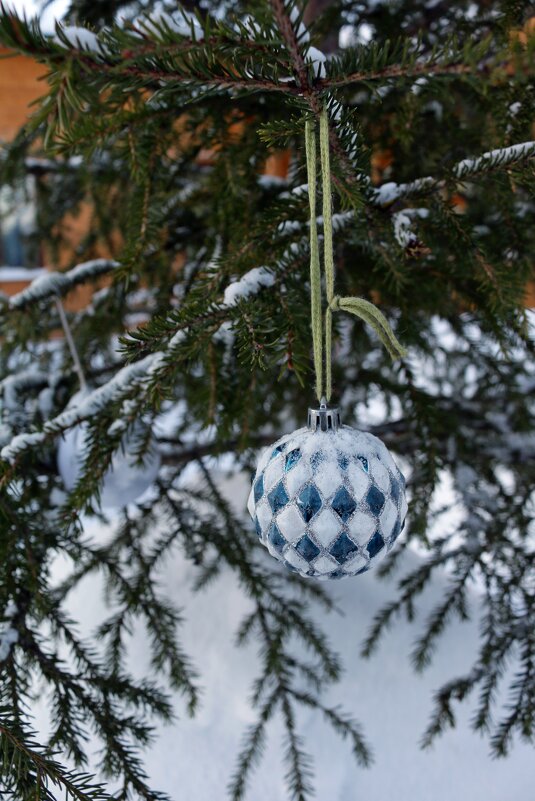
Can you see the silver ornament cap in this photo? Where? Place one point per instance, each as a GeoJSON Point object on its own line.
{"type": "Point", "coordinates": [324, 418]}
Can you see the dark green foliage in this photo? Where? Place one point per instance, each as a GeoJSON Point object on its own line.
{"type": "Point", "coordinates": [444, 243]}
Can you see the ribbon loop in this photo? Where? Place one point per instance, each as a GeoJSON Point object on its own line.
{"type": "Point", "coordinates": [358, 306]}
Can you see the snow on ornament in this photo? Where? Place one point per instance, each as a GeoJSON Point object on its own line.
{"type": "Point", "coordinates": [125, 480]}
{"type": "Point", "coordinates": [328, 501]}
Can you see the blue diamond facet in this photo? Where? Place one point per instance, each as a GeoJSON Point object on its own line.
{"type": "Point", "coordinates": [291, 459]}
{"type": "Point", "coordinates": [343, 504]}
{"type": "Point", "coordinates": [290, 567]}
{"type": "Point", "coordinates": [343, 461]}
{"type": "Point", "coordinates": [277, 450]}
{"type": "Point", "coordinates": [375, 544]}
{"type": "Point", "coordinates": [342, 548]}
{"type": "Point", "coordinates": [307, 549]}
{"type": "Point", "coordinates": [258, 529]}
{"type": "Point", "coordinates": [338, 574]}
{"type": "Point", "coordinates": [395, 490]}
{"type": "Point", "coordinates": [375, 500]}
{"type": "Point", "coordinates": [309, 502]}
{"type": "Point", "coordinates": [278, 497]}
{"type": "Point", "coordinates": [395, 533]}
{"type": "Point", "coordinates": [316, 459]}
{"type": "Point", "coordinates": [364, 463]}
{"type": "Point", "coordinates": [259, 488]}
{"type": "Point", "coordinates": [276, 538]}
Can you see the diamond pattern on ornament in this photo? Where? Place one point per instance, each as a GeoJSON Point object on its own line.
{"type": "Point", "coordinates": [388, 518]}
{"type": "Point", "coordinates": [272, 474]}
{"type": "Point", "coordinates": [354, 565]}
{"type": "Point", "coordinates": [291, 459]}
{"type": "Point", "coordinates": [361, 527]}
{"type": "Point", "coordinates": [290, 523]}
{"type": "Point", "coordinates": [307, 549]}
{"type": "Point", "coordinates": [309, 502]}
{"type": "Point", "coordinates": [342, 548]}
{"type": "Point", "coordinates": [375, 545]}
{"type": "Point", "coordinates": [358, 479]}
{"type": "Point", "coordinates": [381, 476]}
{"type": "Point", "coordinates": [328, 480]}
{"type": "Point", "coordinates": [298, 476]}
{"type": "Point", "coordinates": [264, 514]}
{"type": "Point", "coordinates": [343, 504]}
{"type": "Point", "coordinates": [324, 564]}
{"type": "Point", "coordinates": [296, 561]}
{"type": "Point", "coordinates": [375, 500]}
{"type": "Point", "coordinates": [275, 538]}
{"type": "Point", "coordinates": [325, 527]}
{"type": "Point", "coordinates": [278, 497]}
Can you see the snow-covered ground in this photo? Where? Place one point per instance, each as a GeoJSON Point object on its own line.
{"type": "Point", "coordinates": [193, 759]}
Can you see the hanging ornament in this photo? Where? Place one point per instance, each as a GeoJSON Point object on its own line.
{"type": "Point", "coordinates": [328, 500]}
{"type": "Point", "coordinates": [126, 479]}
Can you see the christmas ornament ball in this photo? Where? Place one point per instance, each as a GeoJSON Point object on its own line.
{"type": "Point", "coordinates": [328, 500]}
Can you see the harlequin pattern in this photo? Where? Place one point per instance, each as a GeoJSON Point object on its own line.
{"type": "Point", "coordinates": [328, 504]}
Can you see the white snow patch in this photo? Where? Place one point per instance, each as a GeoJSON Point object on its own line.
{"type": "Point", "coordinates": [183, 23]}
{"type": "Point", "coordinates": [500, 155]}
{"type": "Point", "coordinates": [78, 37]}
{"type": "Point", "coordinates": [318, 59]}
{"type": "Point", "coordinates": [50, 283]}
{"type": "Point", "coordinates": [249, 284]}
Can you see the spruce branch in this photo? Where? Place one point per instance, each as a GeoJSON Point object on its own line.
{"type": "Point", "coordinates": [32, 773]}
{"type": "Point", "coordinates": [497, 159]}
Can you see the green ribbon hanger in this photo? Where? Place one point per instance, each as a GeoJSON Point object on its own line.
{"type": "Point", "coordinates": [357, 306]}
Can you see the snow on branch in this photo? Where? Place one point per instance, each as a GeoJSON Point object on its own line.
{"type": "Point", "coordinates": [494, 158]}
{"type": "Point", "coordinates": [88, 406]}
{"type": "Point", "coordinates": [56, 283]}
{"type": "Point", "coordinates": [137, 376]}
{"type": "Point", "coordinates": [388, 193]}
{"type": "Point", "coordinates": [249, 284]}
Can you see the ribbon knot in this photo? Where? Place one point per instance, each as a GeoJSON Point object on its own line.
{"type": "Point", "coordinates": [334, 305]}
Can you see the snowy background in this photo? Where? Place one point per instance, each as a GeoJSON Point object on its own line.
{"type": "Point", "coordinates": [194, 758]}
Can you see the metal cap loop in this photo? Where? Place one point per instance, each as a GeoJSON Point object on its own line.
{"type": "Point", "coordinates": [324, 419]}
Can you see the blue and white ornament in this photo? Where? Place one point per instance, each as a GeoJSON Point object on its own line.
{"type": "Point", "coordinates": [328, 501]}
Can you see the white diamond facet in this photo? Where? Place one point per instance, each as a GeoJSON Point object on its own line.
{"type": "Point", "coordinates": [324, 564]}
{"type": "Point", "coordinates": [354, 565]}
{"type": "Point", "coordinates": [264, 514]}
{"type": "Point", "coordinates": [272, 473]}
{"type": "Point", "coordinates": [388, 519]}
{"type": "Point", "coordinates": [251, 504]}
{"type": "Point", "coordinates": [264, 459]}
{"type": "Point", "coordinates": [361, 527]}
{"type": "Point", "coordinates": [381, 475]}
{"type": "Point", "coordinates": [296, 477]}
{"type": "Point", "coordinates": [328, 479]}
{"type": "Point", "coordinates": [358, 479]}
{"type": "Point", "coordinates": [295, 560]}
{"type": "Point", "coordinates": [388, 461]}
{"type": "Point", "coordinates": [325, 527]}
{"type": "Point", "coordinates": [291, 523]}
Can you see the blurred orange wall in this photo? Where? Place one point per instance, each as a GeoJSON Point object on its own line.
{"type": "Point", "coordinates": [19, 86]}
